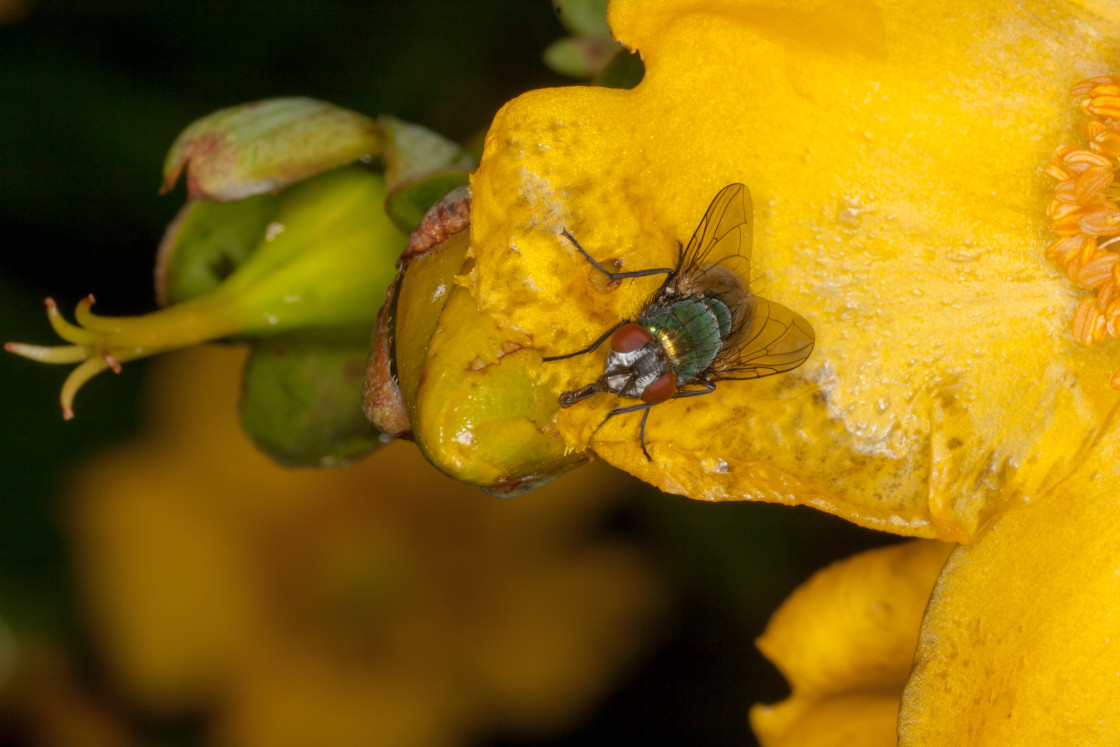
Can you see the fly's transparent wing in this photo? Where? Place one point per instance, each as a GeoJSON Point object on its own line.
{"type": "Point", "coordinates": [766, 338]}
{"type": "Point", "coordinates": [722, 240]}
{"type": "Point", "coordinates": [771, 340]}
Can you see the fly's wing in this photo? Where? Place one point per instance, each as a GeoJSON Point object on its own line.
{"type": "Point", "coordinates": [722, 240]}
{"type": "Point", "coordinates": [771, 340]}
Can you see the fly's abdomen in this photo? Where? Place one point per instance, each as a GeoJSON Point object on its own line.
{"type": "Point", "coordinates": [691, 332]}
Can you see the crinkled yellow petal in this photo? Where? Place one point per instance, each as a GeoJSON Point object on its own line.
{"type": "Point", "coordinates": [844, 641]}
{"type": "Point", "coordinates": [1020, 641]}
{"type": "Point", "coordinates": [895, 152]}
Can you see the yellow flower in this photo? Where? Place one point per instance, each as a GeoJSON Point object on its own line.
{"type": "Point", "coordinates": [896, 154]}
{"type": "Point", "coordinates": [899, 155]}
{"type": "Point", "coordinates": [844, 641]}
{"type": "Point", "coordinates": [1016, 643]}
{"type": "Point", "coordinates": [378, 604]}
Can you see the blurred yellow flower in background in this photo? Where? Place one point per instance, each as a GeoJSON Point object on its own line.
{"type": "Point", "coordinates": [378, 604]}
{"type": "Point", "coordinates": [44, 702]}
{"type": "Point", "coordinates": [1018, 641]}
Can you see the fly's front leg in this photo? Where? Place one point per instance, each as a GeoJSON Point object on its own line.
{"type": "Point", "coordinates": [590, 348]}
{"type": "Point", "coordinates": [642, 428]}
{"type": "Point", "coordinates": [613, 276]}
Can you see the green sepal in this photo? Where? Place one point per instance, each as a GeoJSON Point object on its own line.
{"type": "Point", "coordinates": [580, 56]}
{"type": "Point", "coordinates": [625, 70]}
{"type": "Point", "coordinates": [266, 145]}
{"type": "Point", "coordinates": [413, 152]}
{"type": "Point", "coordinates": [206, 242]}
{"type": "Point", "coordinates": [421, 166]}
{"type": "Point", "coordinates": [584, 17]}
{"type": "Point", "coordinates": [301, 403]}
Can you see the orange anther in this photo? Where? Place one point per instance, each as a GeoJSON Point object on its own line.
{"type": "Point", "coordinates": [1085, 86]}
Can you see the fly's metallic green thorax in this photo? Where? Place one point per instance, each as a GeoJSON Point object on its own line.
{"type": "Point", "coordinates": [702, 325]}
{"type": "Point", "coordinates": [691, 332]}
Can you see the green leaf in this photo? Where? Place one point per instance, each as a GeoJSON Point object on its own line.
{"type": "Point", "coordinates": [413, 152]}
{"type": "Point", "coordinates": [301, 403]}
{"type": "Point", "coordinates": [408, 204]}
{"type": "Point", "coordinates": [421, 166]}
{"type": "Point", "coordinates": [266, 145]}
{"type": "Point", "coordinates": [626, 70]}
{"type": "Point", "coordinates": [581, 56]}
{"type": "Point", "coordinates": [584, 17]}
{"type": "Point", "coordinates": [206, 242]}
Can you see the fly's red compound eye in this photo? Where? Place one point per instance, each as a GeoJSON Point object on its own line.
{"type": "Point", "coordinates": [660, 389]}
{"type": "Point", "coordinates": [629, 337]}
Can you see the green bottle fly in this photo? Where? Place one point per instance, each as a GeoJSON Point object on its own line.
{"type": "Point", "coordinates": [703, 324]}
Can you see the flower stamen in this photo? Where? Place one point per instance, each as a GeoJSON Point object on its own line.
{"type": "Point", "coordinates": [1085, 213]}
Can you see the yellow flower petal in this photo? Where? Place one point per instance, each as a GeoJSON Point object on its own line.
{"type": "Point", "coordinates": [1019, 645]}
{"type": "Point", "coordinates": [482, 421]}
{"type": "Point", "coordinates": [844, 641]}
{"type": "Point", "coordinates": [863, 720]}
{"type": "Point", "coordinates": [896, 157]}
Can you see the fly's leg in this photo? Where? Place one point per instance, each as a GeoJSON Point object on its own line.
{"type": "Point", "coordinates": [709, 387]}
{"type": "Point", "coordinates": [642, 434]}
{"type": "Point", "coordinates": [613, 276]}
{"type": "Point", "coordinates": [569, 398]}
{"type": "Point", "coordinates": [589, 348]}
{"type": "Point", "coordinates": [642, 429]}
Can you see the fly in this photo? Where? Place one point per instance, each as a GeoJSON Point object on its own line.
{"type": "Point", "coordinates": [702, 326]}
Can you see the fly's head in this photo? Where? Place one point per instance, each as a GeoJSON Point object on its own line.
{"type": "Point", "coordinates": [636, 368]}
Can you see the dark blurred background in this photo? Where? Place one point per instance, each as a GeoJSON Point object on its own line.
{"type": "Point", "coordinates": [91, 96]}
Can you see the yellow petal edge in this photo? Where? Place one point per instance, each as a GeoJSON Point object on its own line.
{"type": "Point", "coordinates": [844, 641]}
